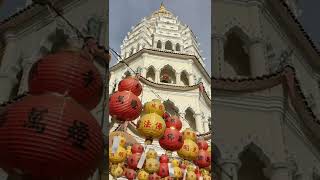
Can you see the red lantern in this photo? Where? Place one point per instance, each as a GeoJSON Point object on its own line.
{"type": "Point", "coordinates": [154, 176]}
{"type": "Point", "coordinates": [202, 144]}
{"type": "Point", "coordinates": [67, 72]}
{"type": "Point", "coordinates": [137, 148]}
{"type": "Point", "coordinates": [173, 121]}
{"type": "Point", "coordinates": [163, 170]}
{"type": "Point", "coordinates": [130, 174]}
{"type": "Point", "coordinates": [50, 136]}
{"type": "Point", "coordinates": [171, 140]}
{"type": "Point", "coordinates": [197, 172]}
{"type": "Point", "coordinates": [124, 106]}
{"type": "Point", "coordinates": [130, 84]}
{"type": "Point", "coordinates": [165, 115]}
{"type": "Point", "coordinates": [133, 160]}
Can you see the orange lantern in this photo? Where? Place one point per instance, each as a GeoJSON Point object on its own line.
{"type": "Point", "coordinates": [189, 150]}
{"type": "Point", "coordinates": [154, 106]}
{"type": "Point", "coordinates": [151, 126]}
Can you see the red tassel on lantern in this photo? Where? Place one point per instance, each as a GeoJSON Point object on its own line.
{"type": "Point", "coordinates": [124, 106]}
{"type": "Point", "coordinates": [49, 136]}
{"type": "Point", "coordinates": [67, 72]}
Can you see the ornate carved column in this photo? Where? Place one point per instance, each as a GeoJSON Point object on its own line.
{"type": "Point", "coordinates": [257, 57]}
{"type": "Point", "coordinates": [218, 54]}
{"type": "Point", "coordinates": [199, 122]}
{"type": "Point", "coordinates": [178, 80]}
{"type": "Point", "coordinates": [280, 171]}
{"type": "Point", "coordinates": [229, 166]}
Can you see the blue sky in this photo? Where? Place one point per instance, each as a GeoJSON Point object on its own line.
{"type": "Point", "coordinates": [124, 14]}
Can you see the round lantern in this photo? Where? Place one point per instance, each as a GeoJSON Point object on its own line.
{"type": "Point", "coordinates": [132, 84]}
{"type": "Point", "coordinates": [174, 121]}
{"type": "Point", "coordinates": [137, 148]}
{"type": "Point", "coordinates": [124, 106]}
{"type": "Point", "coordinates": [154, 176]}
{"type": "Point", "coordinates": [116, 170]}
{"type": "Point", "coordinates": [142, 175]}
{"type": "Point", "coordinates": [203, 159]}
{"type": "Point", "coordinates": [171, 140]}
{"type": "Point", "coordinates": [49, 136]}
{"type": "Point", "coordinates": [163, 169]}
{"type": "Point", "coordinates": [152, 164]}
{"type": "Point", "coordinates": [151, 126]}
{"type": "Point", "coordinates": [191, 175]}
{"type": "Point", "coordinates": [177, 170]}
{"type": "Point", "coordinates": [118, 156]}
{"type": "Point", "coordinates": [154, 106]}
{"type": "Point", "coordinates": [130, 174]}
{"type": "Point", "coordinates": [67, 72]}
{"type": "Point", "coordinates": [189, 150]}
{"type": "Point", "coordinates": [129, 139]}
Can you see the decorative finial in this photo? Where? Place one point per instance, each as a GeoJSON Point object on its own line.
{"type": "Point", "coordinates": [162, 8]}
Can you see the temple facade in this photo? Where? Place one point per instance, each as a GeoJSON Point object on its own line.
{"type": "Point", "coordinates": [266, 101]}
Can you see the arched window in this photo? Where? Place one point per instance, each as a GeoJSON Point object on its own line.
{"type": "Point", "coordinates": [168, 45]}
{"type": "Point", "coordinates": [190, 118]}
{"type": "Point", "coordinates": [184, 78]}
{"type": "Point", "coordinates": [253, 163]}
{"type": "Point", "coordinates": [237, 61]}
{"type": "Point", "coordinates": [171, 108]}
{"type": "Point", "coordinates": [177, 47]}
{"type": "Point", "coordinates": [151, 73]}
{"type": "Point", "coordinates": [159, 45]}
{"type": "Point", "coordinates": [168, 75]}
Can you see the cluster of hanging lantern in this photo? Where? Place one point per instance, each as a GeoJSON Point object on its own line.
{"type": "Point", "coordinates": [51, 134]}
{"type": "Point", "coordinates": [141, 161]}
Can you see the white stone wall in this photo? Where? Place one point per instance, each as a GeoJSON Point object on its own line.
{"type": "Point", "coordinates": [258, 117]}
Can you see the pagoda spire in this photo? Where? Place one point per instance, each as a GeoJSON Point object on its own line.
{"type": "Point", "coordinates": [162, 7]}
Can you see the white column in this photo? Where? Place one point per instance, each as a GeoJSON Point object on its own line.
{"type": "Point", "coordinates": [27, 65]}
{"type": "Point", "coordinates": [199, 122]}
{"type": "Point", "coordinates": [231, 167]}
{"type": "Point", "coordinates": [280, 171]}
{"type": "Point", "coordinates": [178, 80]}
{"type": "Point", "coordinates": [218, 54]}
{"type": "Point", "coordinates": [191, 79]}
{"type": "Point", "coordinates": [157, 78]}
{"type": "Point", "coordinates": [144, 72]}
{"type": "Point", "coordinates": [257, 58]}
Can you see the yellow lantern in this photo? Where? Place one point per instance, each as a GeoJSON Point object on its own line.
{"type": "Point", "coordinates": [142, 175]}
{"type": "Point", "coordinates": [151, 126]}
{"type": "Point", "coordinates": [177, 170]}
{"type": "Point", "coordinates": [154, 106]}
{"type": "Point", "coordinates": [205, 174]}
{"type": "Point", "coordinates": [189, 150]}
{"type": "Point", "coordinates": [129, 152]}
{"type": "Point", "coordinates": [119, 156]}
{"type": "Point", "coordinates": [191, 175]}
{"type": "Point", "coordinates": [152, 164]}
{"type": "Point", "coordinates": [116, 170]}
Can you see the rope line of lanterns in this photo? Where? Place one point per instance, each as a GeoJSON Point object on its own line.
{"type": "Point", "coordinates": [141, 161]}
{"type": "Point", "coordinates": [66, 141]}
